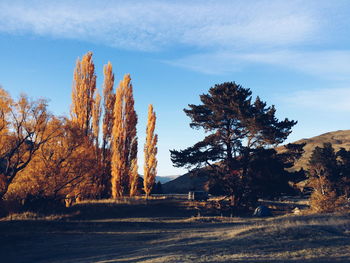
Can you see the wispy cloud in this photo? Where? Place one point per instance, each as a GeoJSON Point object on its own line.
{"type": "Point", "coordinates": [328, 64]}
{"type": "Point", "coordinates": [154, 25]}
{"type": "Point", "coordinates": [321, 100]}
{"type": "Point", "coordinates": [218, 36]}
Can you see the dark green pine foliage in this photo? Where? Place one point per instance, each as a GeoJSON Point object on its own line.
{"type": "Point", "coordinates": [323, 162]}
{"type": "Point", "coordinates": [344, 172]}
{"type": "Point", "coordinates": [333, 168]}
{"type": "Point", "coordinates": [238, 150]}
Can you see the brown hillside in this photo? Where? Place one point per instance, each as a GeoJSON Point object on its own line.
{"type": "Point", "coordinates": [339, 139]}
{"type": "Point", "coordinates": [185, 183]}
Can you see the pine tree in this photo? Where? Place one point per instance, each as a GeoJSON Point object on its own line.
{"type": "Point", "coordinates": [84, 86]}
{"type": "Point", "coordinates": [239, 133]}
{"type": "Point", "coordinates": [329, 178]}
{"type": "Point", "coordinates": [124, 140]}
{"type": "Point", "coordinates": [150, 151]}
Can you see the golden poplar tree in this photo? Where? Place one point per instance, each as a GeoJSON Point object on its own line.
{"type": "Point", "coordinates": [150, 151]}
{"type": "Point", "coordinates": [86, 113]}
{"type": "Point", "coordinates": [131, 138]}
{"type": "Point", "coordinates": [133, 171]}
{"type": "Point", "coordinates": [96, 116]}
{"type": "Point", "coordinates": [108, 105]}
{"type": "Point", "coordinates": [84, 86]}
{"type": "Point", "coordinates": [107, 125]}
{"type": "Point", "coordinates": [124, 141]}
{"type": "Point", "coordinates": [118, 134]}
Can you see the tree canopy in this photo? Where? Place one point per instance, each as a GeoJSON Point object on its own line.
{"type": "Point", "coordinates": [241, 133]}
{"type": "Point", "coordinates": [23, 129]}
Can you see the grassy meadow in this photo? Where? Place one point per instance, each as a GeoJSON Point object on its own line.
{"type": "Point", "coordinates": [165, 230]}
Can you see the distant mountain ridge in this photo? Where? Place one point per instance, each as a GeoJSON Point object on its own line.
{"type": "Point", "coordinates": [339, 139]}
{"type": "Point", "coordinates": [165, 179]}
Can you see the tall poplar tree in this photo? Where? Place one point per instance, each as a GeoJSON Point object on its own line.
{"type": "Point", "coordinates": [86, 113]}
{"type": "Point", "coordinates": [124, 140]}
{"type": "Point", "coordinates": [108, 105]}
{"type": "Point", "coordinates": [107, 126]}
{"type": "Point", "coordinates": [118, 139]}
{"type": "Point", "coordinates": [133, 170]}
{"type": "Point", "coordinates": [84, 86]}
{"type": "Point", "coordinates": [150, 151]}
{"type": "Point", "coordinates": [96, 117]}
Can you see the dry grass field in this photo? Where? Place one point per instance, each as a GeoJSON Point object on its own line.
{"type": "Point", "coordinates": [169, 231]}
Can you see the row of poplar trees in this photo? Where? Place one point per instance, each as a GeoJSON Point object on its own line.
{"type": "Point", "coordinates": [48, 156]}
{"type": "Point", "coordinates": [117, 154]}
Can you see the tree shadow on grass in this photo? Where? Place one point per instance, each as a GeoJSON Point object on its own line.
{"type": "Point", "coordinates": [149, 209]}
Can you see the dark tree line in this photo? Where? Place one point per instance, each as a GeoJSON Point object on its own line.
{"type": "Point", "coordinates": [329, 177]}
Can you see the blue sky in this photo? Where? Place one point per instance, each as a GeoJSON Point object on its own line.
{"type": "Point", "coordinates": [293, 54]}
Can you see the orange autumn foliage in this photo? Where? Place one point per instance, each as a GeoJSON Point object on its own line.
{"type": "Point", "coordinates": [23, 130]}
{"type": "Point", "coordinates": [150, 151]}
{"type": "Point", "coordinates": [96, 116]}
{"type": "Point", "coordinates": [5, 104]}
{"type": "Point", "coordinates": [124, 141]}
{"type": "Point", "coordinates": [84, 86]}
{"type": "Point", "coordinates": [107, 125]}
{"type": "Point", "coordinates": [108, 105]}
{"type": "Point", "coordinates": [57, 157]}
{"type": "Point", "coordinates": [86, 110]}
{"type": "Point", "coordinates": [63, 166]}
